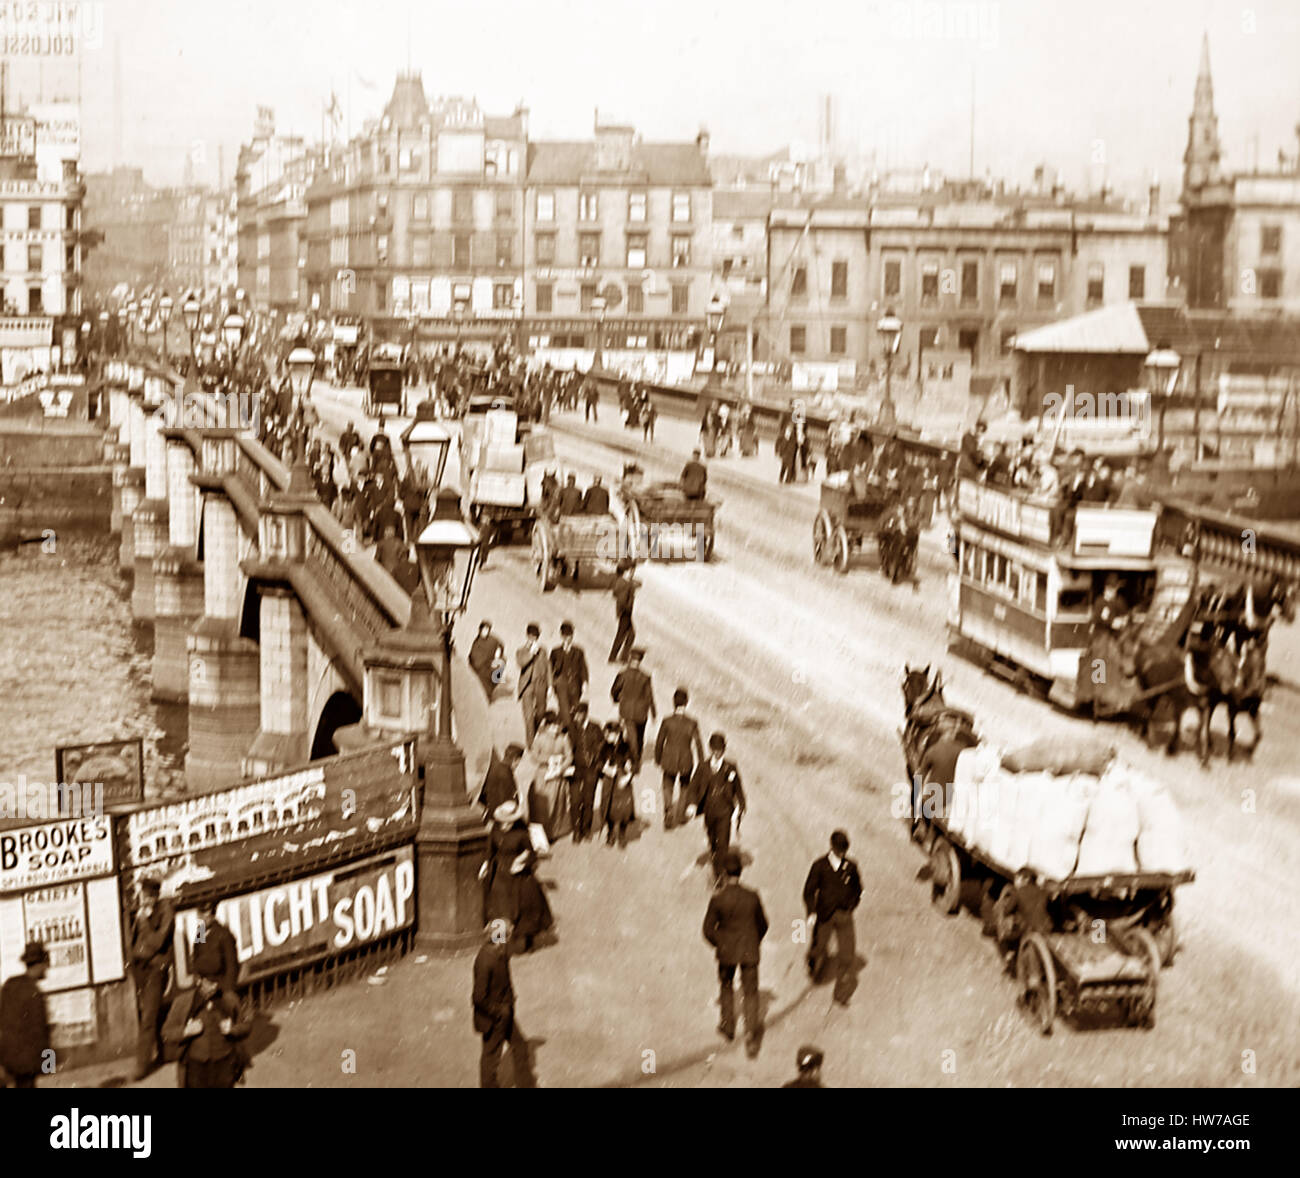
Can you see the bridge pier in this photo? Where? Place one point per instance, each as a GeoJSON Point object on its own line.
{"type": "Point", "coordinates": [150, 519]}
{"type": "Point", "coordinates": [133, 479]}
{"type": "Point", "coordinates": [178, 577]}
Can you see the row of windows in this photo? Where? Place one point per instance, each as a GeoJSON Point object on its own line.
{"type": "Point", "coordinates": [1004, 577]}
{"type": "Point", "coordinates": [966, 281]}
{"type": "Point", "coordinates": [635, 255]}
{"type": "Point", "coordinates": [36, 302]}
{"type": "Point", "coordinates": [36, 257]}
{"type": "Point", "coordinates": [589, 206]}
{"type": "Point", "coordinates": [35, 218]}
{"type": "Point", "coordinates": [839, 337]}
{"type": "Point", "coordinates": [633, 304]}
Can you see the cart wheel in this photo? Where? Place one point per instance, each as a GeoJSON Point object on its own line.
{"type": "Point", "coordinates": [1166, 939]}
{"type": "Point", "coordinates": [1005, 926]}
{"type": "Point", "coordinates": [543, 565]}
{"type": "Point", "coordinates": [822, 549]}
{"type": "Point", "coordinates": [1142, 1011]}
{"type": "Point", "coordinates": [945, 876]}
{"type": "Point", "coordinates": [841, 550]}
{"type": "Point", "coordinates": [1036, 976]}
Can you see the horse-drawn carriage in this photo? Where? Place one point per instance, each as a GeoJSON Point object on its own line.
{"type": "Point", "coordinates": [384, 381]}
{"type": "Point", "coordinates": [851, 516]}
{"type": "Point", "coordinates": [1045, 922]}
{"type": "Point", "coordinates": [663, 524]}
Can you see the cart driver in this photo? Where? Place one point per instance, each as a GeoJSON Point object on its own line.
{"type": "Point", "coordinates": [1110, 610]}
{"type": "Point", "coordinates": [695, 477]}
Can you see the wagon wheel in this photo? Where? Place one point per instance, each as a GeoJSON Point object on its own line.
{"type": "Point", "coordinates": [1006, 928]}
{"type": "Point", "coordinates": [1166, 939]}
{"type": "Point", "coordinates": [1142, 1010]}
{"type": "Point", "coordinates": [1036, 977]}
{"type": "Point", "coordinates": [945, 876]}
{"type": "Point", "coordinates": [822, 538]}
{"type": "Point", "coordinates": [708, 543]}
{"type": "Point", "coordinates": [543, 563]}
{"type": "Point", "coordinates": [842, 550]}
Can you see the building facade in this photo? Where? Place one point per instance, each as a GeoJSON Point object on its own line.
{"type": "Point", "coordinates": [271, 182]}
{"type": "Point", "coordinates": [619, 248]}
{"type": "Point", "coordinates": [416, 226]}
{"type": "Point", "coordinates": [962, 277]}
{"type": "Point", "coordinates": [41, 205]}
{"type": "Point", "coordinates": [203, 242]}
{"type": "Point", "coordinates": [1235, 243]}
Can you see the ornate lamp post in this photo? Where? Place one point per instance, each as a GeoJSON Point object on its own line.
{"type": "Point", "coordinates": [190, 313]}
{"type": "Point", "coordinates": [165, 305]}
{"type": "Point", "coordinates": [451, 832]}
{"type": "Point", "coordinates": [716, 313]}
{"type": "Point", "coordinates": [890, 329]}
{"type": "Point", "coordinates": [1161, 366]}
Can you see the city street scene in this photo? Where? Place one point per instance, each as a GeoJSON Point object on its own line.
{"type": "Point", "coordinates": [581, 545]}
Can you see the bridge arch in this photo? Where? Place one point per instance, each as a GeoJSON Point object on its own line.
{"type": "Point", "coordinates": [340, 710]}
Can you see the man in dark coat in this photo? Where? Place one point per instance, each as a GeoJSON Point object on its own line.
{"type": "Point", "coordinates": [633, 692]}
{"type": "Point", "coordinates": [735, 925]}
{"type": "Point", "coordinates": [487, 658]}
{"type": "Point", "coordinates": [534, 681]}
{"type": "Point", "coordinates": [716, 792]}
{"type": "Point", "coordinates": [570, 496]}
{"type": "Point", "coordinates": [695, 477]}
{"type": "Point", "coordinates": [624, 591]}
{"type": "Point", "coordinates": [588, 744]}
{"type": "Point", "coordinates": [494, 1008]}
{"type": "Point", "coordinates": [151, 953]}
{"type": "Point", "coordinates": [596, 499]}
{"type": "Point", "coordinates": [214, 953]}
{"type": "Point", "coordinates": [24, 1023]}
{"type": "Point", "coordinates": [678, 748]}
{"type": "Point", "coordinates": [568, 674]}
{"type": "Point", "coordinates": [499, 784]}
{"type": "Point", "coordinates": [349, 440]}
{"type": "Point", "coordinates": [830, 894]}
{"type": "Point", "coordinates": [809, 1062]}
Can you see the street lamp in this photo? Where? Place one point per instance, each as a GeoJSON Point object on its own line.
{"type": "Point", "coordinates": [426, 445]}
{"type": "Point", "coordinates": [165, 305]}
{"type": "Point", "coordinates": [232, 331]}
{"type": "Point", "coordinates": [598, 310]}
{"type": "Point", "coordinates": [890, 329]}
{"type": "Point", "coordinates": [302, 371]}
{"type": "Point", "coordinates": [448, 553]}
{"type": "Point", "coordinates": [1161, 366]}
{"type": "Point", "coordinates": [716, 313]}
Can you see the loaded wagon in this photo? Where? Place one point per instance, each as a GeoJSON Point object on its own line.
{"type": "Point", "coordinates": [1085, 943]}
{"type": "Point", "coordinates": [664, 524]}
{"type": "Point", "coordinates": [567, 545]}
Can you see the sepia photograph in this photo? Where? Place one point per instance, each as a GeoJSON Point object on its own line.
{"type": "Point", "coordinates": [727, 544]}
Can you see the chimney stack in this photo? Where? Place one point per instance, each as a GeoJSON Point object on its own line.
{"type": "Point", "coordinates": [702, 142]}
{"type": "Point", "coordinates": [1153, 195]}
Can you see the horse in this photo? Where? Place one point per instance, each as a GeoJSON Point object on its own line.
{"type": "Point", "coordinates": [1249, 692]}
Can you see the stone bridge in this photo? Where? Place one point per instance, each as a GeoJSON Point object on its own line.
{"type": "Point", "coordinates": [286, 641]}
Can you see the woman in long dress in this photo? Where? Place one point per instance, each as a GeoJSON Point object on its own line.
{"type": "Point", "coordinates": [511, 891]}
{"type": "Point", "coordinates": [548, 795]}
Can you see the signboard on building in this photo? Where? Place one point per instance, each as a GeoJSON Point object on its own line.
{"type": "Point", "coordinates": [55, 852]}
{"type": "Point", "coordinates": [117, 764]}
{"type": "Point", "coordinates": [310, 919]}
{"type": "Point", "coordinates": [18, 136]}
{"type": "Point", "coordinates": [275, 823]}
{"type": "Point", "coordinates": [1004, 512]}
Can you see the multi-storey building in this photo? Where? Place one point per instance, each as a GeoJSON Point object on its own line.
{"type": "Point", "coordinates": [129, 219]}
{"type": "Point", "coordinates": [1235, 244]}
{"type": "Point", "coordinates": [202, 242]}
{"type": "Point", "coordinates": [271, 183]}
{"type": "Point", "coordinates": [417, 225]}
{"type": "Point", "coordinates": [619, 233]}
{"type": "Point", "coordinates": [962, 277]}
{"type": "Point", "coordinates": [41, 196]}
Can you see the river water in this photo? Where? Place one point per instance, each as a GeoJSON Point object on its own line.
{"type": "Point", "coordinates": [74, 668]}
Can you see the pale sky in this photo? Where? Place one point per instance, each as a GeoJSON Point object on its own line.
{"type": "Point", "coordinates": [1070, 84]}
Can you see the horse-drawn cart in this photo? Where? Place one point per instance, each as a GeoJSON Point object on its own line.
{"type": "Point", "coordinates": [852, 516]}
{"type": "Point", "coordinates": [1081, 942]}
{"type": "Point", "coordinates": [665, 525]}
{"type": "Point", "coordinates": [563, 546]}
{"type": "Point", "coordinates": [384, 384]}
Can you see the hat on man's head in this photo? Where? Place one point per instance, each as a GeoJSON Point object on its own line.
{"type": "Point", "coordinates": [808, 1057]}
{"type": "Point", "coordinates": [507, 812]}
{"type": "Point", "coordinates": [513, 750]}
{"type": "Point", "coordinates": [839, 842]}
{"type": "Point", "coordinates": [731, 863]}
{"type": "Point", "coordinates": [35, 954]}
{"type": "Point", "coordinates": [149, 886]}
{"type": "Point", "coordinates": [566, 627]}
{"type": "Point", "coordinates": [534, 630]}
{"type": "Point", "coordinates": [717, 742]}
{"type": "Point", "coordinates": [637, 652]}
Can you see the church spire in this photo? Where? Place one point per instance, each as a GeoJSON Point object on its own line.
{"type": "Point", "coordinates": [1201, 159]}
